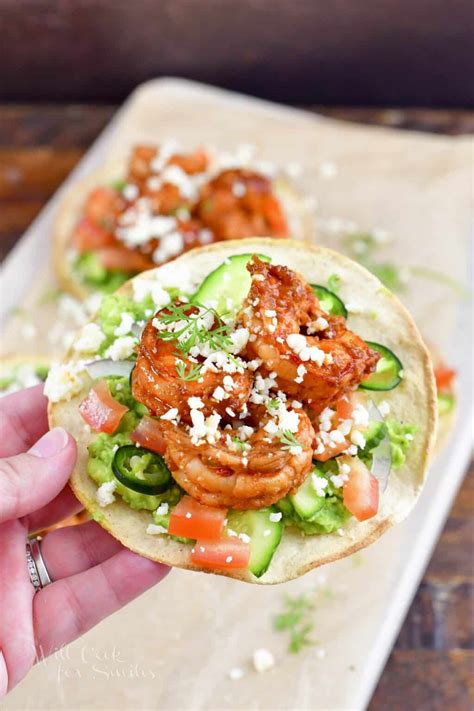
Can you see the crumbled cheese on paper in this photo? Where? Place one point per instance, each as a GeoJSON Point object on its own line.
{"type": "Point", "coordinates": [263, 660]}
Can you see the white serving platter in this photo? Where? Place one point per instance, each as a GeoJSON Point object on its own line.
{"type": "Point", "coordinates": [173, 648]}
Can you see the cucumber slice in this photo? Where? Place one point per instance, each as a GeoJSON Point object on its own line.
{"type": "Point", "coordinates": [305, 501]}
{"type": "Point", "coordinates": [445, 403]}
{"type": "Point", "coordinates": [263, 545]}
{"type": "Point", "coordinates": [387, 374]}
{"type": "Point", "coordinates": [226, 287]}
{"type": "Point", "coordinates": [329, 301]}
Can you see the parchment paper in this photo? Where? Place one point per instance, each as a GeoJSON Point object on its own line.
{"type": "Point", "coordinates": [174, 647]}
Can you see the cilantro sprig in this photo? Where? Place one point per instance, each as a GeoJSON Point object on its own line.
{"type": "Point", "coordinates": [238, 443]}
{"type": "Point", "coordinates": [191, 331]}
{"type": "Point", "coordinates": [273, 403]}
{"type": "Point", "coordinates": [297, 617]}
{"type": "Point", "coordinates": [288, 440]}
{"type": "Point", "coordinates": [193, 372]}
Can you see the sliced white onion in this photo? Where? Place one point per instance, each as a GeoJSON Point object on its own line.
{"type": "Point", "coordinates": [381, 455]}
{"type": "Point", "coordinates": [104, 368]}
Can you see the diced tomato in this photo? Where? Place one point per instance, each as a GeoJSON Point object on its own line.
{"type": "Point", "coordinates": [90, 236]}
{"type": "Point", "coordinates": [444, 377]}
{"type": "Point", "coordinates": [100, 410]}
{"type": "Point", "coordinates": [225, 554]}
{"type": "Point", "coordinates": [331, 452]}
{"type": "Point", "coordinates": [347, 403]}
{"type": "Point", "coordinates": [102, 206]}
{"type": "Point", "coordinates": [361, 491]}
{"type": "Point", "coordinates": [122, 259]}
{"type": "Point", "coordinates": [149, 435]}
{"type": "Point", "coordinates": [191, 519]}
{"type": "Point", "coordinates": [344, 407]}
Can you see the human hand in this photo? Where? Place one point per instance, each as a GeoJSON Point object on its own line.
{"type": "Point", "coordinates": [93, 574]}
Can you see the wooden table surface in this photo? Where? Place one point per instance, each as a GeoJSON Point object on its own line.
{"type": "Point", "coordinates": [432, 664]}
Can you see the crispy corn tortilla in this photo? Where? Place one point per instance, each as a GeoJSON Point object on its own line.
{"type": "Point", "coordinates": [298, 215]}
{"type": "Point", "coordinates": [380, 317]}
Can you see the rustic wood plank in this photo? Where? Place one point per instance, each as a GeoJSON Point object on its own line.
{"type": "Point", "coordinates": [77, 125]}
{"type": "Point", "coordinates": [356, 52]}
{"type": "Point", "coordinates": [464, 503]}
{"type": "Point", "coordinates": [71, 126]}
{"type": "Point", "coordinates": [455, 554]}
{"type": "Point", "coordinates": [28, 178]}
{"type": "Point", "coordinates": [34, 173]}
{"type": "Point", "coordinates": [426, 680]}
{"type": "Point", "coordinates": [451, 122]}
{"type": "Point", "coordinates": [440, 616]}
{"type": "Point", "coordinates": [16, 215]}
{"type": "Point", "coordinates": [454, 559]}
{"type": "Point", "coordinates": [463, 663]}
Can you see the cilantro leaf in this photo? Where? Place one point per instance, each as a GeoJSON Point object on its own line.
{"type": "Point", "coordinates": [295, 620]}
{"type": "Point", "coordinates": [192, 373]}
{"type": "Point", "coordinates": [288, 440]}
{"type": "Point", "coordinates": [189, 329]}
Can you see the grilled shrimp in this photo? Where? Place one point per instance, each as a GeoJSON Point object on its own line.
{"type": "Point", "coordinates": [216, 475]}
{"type": "Point", "coordinates": [239, 203]}
{"type": "Point", "coordinates": [156, 380]}
{"type": "Point", "coordinates": [140, 164]}
{"type": "Point", "coordinates": [165, 196]}
{"type": "Point", "coordinates": [315, 356]}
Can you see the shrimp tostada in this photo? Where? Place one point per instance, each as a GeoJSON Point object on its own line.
{"type": "Point", "coordinates": [126, 218]}
{"type": "Point", "coordinates": [235, 414]}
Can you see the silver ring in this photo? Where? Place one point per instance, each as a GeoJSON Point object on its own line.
{"type": "Point", "coordinates": [37, 570]}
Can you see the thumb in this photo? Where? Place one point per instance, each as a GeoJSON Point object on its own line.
{"type": "Point", "coordinates": [29, 481]}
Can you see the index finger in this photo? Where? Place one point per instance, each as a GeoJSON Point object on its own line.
{"type": "Point", "coordinates": [23, 420]}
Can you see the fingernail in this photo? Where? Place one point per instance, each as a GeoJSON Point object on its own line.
{"type": "Point", "coordinates": [50, 444]}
